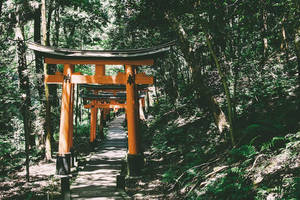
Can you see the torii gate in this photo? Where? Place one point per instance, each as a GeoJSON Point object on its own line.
{"type": "Point", "coordinates": [105, 101]}
{"type": "Point", "coordinates": [118, 89]}
{"type": "Point", "coordinates": [128, 58]}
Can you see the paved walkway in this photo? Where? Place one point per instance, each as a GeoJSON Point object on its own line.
{"type": "Point", "coordinates": [98, 178]}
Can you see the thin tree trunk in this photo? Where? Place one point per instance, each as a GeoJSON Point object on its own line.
{"type": "Point", "coordinates": [38, 58]}
{"type": "Point", "coordinates": [226, 89]}
{"type": "Point", "coordinates": [297, 48]}
{"type": "Point", "coordinates": [297, 39]}
{"type": "Point", "coordinates": [23, 83]}
{"type": "Point", "coordinates": [1, 3]}
{"type": "Point", "coordinates": [40, 143]}
{"type": "Point", "coordinates": [264, 37]}
{"type": "Point", "coordinates": [284, 44]}
{"type": "Point", "coordinates": [47, 104]}
{"type": "Point", "coordinates": [56, 23]}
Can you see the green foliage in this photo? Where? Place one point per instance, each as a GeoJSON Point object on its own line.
{"type": "Point", "coordinates": [259, 133]}
{"type": "Point", "coordinates": [169, 176]}
{"type": "Point", "coordinates": [6, 152]}
{"type": "Point", "coordinates": [232, 185]}
{"type": "Point", "coordinates": [274, 144]}
{"type": "Point", "coordinates": [242, 153]}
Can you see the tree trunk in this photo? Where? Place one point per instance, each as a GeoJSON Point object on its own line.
{"type": "Point", "coordinates": [214, 108]}
{"type": "Point", "coordinates": [24, 83]}
{"type": "Point", "coordinates": [40, 142]}
{"type": "Point", "coordinates": [226, 89]}
{"type": "Point", "coordinates": [297, 48]}
{"type": "Point", "coordinates": [56, 23]}
{"type": "Point", "coordinates": [47, 104]}
{"type": "Point", "coordinates": [1, 3]}
{"type": "Point", "coordinates": [284, 45]}
{"type": "Point", "coordinates": [297, 39]}
{"type": "Point", "coordinates": [38, 58]}
{"type": "Point", "coordinates": [264, 37]}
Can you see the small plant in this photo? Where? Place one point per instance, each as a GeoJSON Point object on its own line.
{"type": "Point", "coordinates": [242, 153]}
{"type": "Point", "coordinates": [231, 186]}
{"type": "Point", "coordinates": [274, 143]}
{"type": "Point", "coordinates": [169, 176]}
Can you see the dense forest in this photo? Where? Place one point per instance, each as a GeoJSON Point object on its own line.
{"type": "Point", "coordinates": [225, 121]}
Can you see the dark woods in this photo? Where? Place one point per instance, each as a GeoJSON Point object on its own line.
{"type": "Point", "coordinates": [230, 84]}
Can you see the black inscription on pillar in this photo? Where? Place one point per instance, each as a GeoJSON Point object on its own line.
{"type": "Point", "coordinates": [130, 79]}
{"type": "Point", "coordinates": [67, 78]}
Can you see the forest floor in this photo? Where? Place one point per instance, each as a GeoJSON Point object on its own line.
{"type": "Point", "coordinates": [42, 183]}
{"type": "Point", "coordinates": [150, 185]}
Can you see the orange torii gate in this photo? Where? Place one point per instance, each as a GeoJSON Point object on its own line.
{"type": "Point", "coordinates": [130, 59]}
{"type": "Point", "coordinates": [121, 89]}
{"type": "Point", "coordinates": [105, 102]}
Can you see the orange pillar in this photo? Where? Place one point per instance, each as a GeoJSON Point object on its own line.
{"type": "Point", "coordinates": [95, 128]}
{"type": "Point", "coordinates": [93, 122]}
{"type": "Point", "coordinates": [96, 116]}
{"type": "Point", "coordinates": [71, 118]}
{"type": "Point", "coordinates": [63, 159]}
{"type": "Point", "coordinates": [101, 133]}
{"type": "Point", "coordinates": [64, 129]}
{"type": "Point", "coordinates": [131, 110]}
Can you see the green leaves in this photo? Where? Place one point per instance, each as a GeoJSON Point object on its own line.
{"type": "Point", "coordinates": [242, 153]}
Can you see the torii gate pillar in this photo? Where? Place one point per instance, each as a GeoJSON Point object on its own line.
{"type": "Point", "coordinates": [135, 160]}
{"type": "Point", "coordinates": [63, 162]}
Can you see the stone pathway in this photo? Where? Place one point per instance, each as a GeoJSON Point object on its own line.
{"type": "Point", "coordinates": [98, 178]}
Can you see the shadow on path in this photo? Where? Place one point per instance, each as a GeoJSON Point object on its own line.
{"type": "Point", "coordinates": [97, 180]}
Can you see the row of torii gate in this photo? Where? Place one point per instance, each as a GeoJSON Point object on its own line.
{"type": "Point", "coordinates": [111, 97]}
{"type": "Point", "coordinates": [127, 82]}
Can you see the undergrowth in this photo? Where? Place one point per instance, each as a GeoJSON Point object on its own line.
{"type": "Point", "coordinates": [200, 164]}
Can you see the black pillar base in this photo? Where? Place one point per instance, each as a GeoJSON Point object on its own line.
{"type": "Point", "coordinates": [63, 164]}
{"type": "Point", "coordinates": [120, 181]}
{"type": "Point", "coordinates": [74, 158]}
{"type": "Point", "coordinates": [65, 188]}
{"type": "Point", "coordinates": [92, 145]}
{"type": "Point", "coordinates": [135, 164]}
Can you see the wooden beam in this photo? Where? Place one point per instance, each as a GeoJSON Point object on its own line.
{"type": "Point", "coordinates": [120, 78]}
{"type": "Point", "coordinates": [110, 106]}
{"type": "Point", "coordinates": [54, 79]}
{"type": "Point", "coordinates": [99, 62]}
{"type": "Point", "coordinates": [142, 78]}
{"type": "Point", "coordinates": [85, 79]}
{"type": "Point", "coordinates": [100, 70]}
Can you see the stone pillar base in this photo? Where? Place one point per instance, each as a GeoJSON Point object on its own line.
{"type": "Point", "coordinates": [135, 164]}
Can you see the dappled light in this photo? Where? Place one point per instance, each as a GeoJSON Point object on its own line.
{"type": "Point", "coordinates": [120, 99]}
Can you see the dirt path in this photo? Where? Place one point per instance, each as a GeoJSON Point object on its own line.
{"type": "Point", "coordinates": [98, 178]}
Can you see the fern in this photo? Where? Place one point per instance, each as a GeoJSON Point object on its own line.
{"type": "Point", "coordinates": [274, 143]}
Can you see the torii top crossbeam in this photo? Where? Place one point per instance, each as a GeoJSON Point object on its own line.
{"type": "Point", "coordinates": [109, 57]}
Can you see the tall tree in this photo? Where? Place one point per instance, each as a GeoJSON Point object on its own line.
{"type": "Point", "coordinates": [47, 103]}
{"type": "Point", "coordinates": [23, 73]}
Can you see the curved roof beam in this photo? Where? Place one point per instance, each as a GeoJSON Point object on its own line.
{"type": "Point", "coordinates": [61, 53]}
